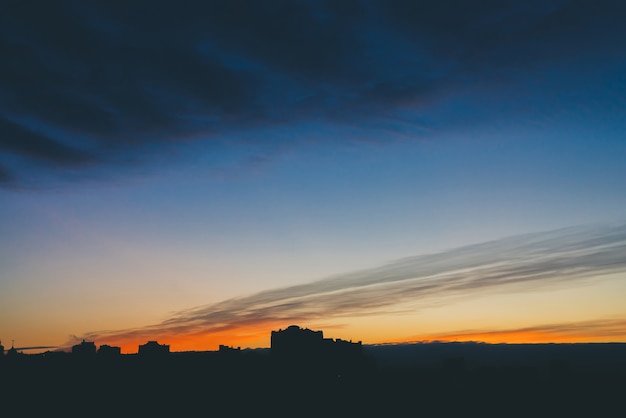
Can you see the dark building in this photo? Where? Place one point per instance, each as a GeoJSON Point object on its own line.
{"type": "Point", "coordinates": [304, 351]}
{"type": "Point", "coordinates": [227, 349]}
{"type": "Point", "coordinates": [85, 348]}
{"type": "Point", "coordinates": [302, 341]}
{"type": "Point", "coordinates": [153, 348]}
{"type": "Point", "coordinates": [12, 352]}
{"type": "Point", "coordinates": [294, 340]}
{"type": "Point", "coordinates": [109, 351]}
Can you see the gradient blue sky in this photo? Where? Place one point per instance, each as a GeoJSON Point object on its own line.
{"type": "Point", "coordinates": [160, 159]}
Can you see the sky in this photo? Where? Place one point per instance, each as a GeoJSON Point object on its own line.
{"type": "Point", "coordinates": [203, 172]}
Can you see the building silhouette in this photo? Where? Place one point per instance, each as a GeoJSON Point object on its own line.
{"type": "Point", "coordinates": [153, 348]}
{"type": "Point", "coordinates": [228, 349]}
{"type": "Point", "coordinates": [12, 352]}
{"type": "Point", "coordinates": [296, 341]}
{"type": "Point", "coordinates": [303, 351]}
{"type": "Point", "coordinates": [85, 348]}
{"type": "Point", "coordinates": [106, 350]}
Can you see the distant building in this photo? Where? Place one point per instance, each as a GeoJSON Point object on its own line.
{"type": "Point", "coordinates": [296, 341]}
{"type": "Point", "coordinates": [12, 352]}
{"type": "Point", "coordinates": [109, 351]}
{"type": "Point", "coordinates": [228, 349]}
{"type": "Point", "coordinates": [153, 348]}
{"type": "Point", "coordinates": [85, 348]}
{"type": "Point", "coordinates": [301, 350]}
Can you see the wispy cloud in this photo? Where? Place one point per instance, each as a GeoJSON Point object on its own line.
{"type": "Point", "coordinates": [38, 347]}
{"type": "Point", "coordinates": [533, 262]}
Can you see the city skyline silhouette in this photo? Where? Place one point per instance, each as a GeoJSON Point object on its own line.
{"type": "Point", "coordinates": [306, 372]}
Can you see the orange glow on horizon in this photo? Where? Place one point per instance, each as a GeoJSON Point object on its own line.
{"type": "Point", "coordinates": [208, 342]}
{"type": "Point", "coordinates": [243, 337]}
{"type": "Point", "coordinates": [506, 337]}
{"type": "Point", "coordinates": [258, 336]}
{"type": "Point", "coordinates": [602, 331]}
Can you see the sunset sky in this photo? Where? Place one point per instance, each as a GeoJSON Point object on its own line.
{"type": "Point", "coordinates": [203, 172]}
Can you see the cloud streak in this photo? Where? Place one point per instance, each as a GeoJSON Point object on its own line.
{"type": "Point", "coordinates": [533, 262]}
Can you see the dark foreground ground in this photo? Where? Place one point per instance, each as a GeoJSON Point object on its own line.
{"type": "Point", "coordinates": [381, 384]}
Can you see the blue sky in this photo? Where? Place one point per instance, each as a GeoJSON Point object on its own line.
{"type": "Point", "coordinates": [154, 159]}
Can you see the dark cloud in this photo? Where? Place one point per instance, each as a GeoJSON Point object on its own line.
{"type": "Point", "coordinates": [20, 140]}
{"type": "Point", "coordinates": [5, 175]}
{"type": "Point", "coordinates": [529, 262]}
{"type": "Point", "coordinates": [118, 76]}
